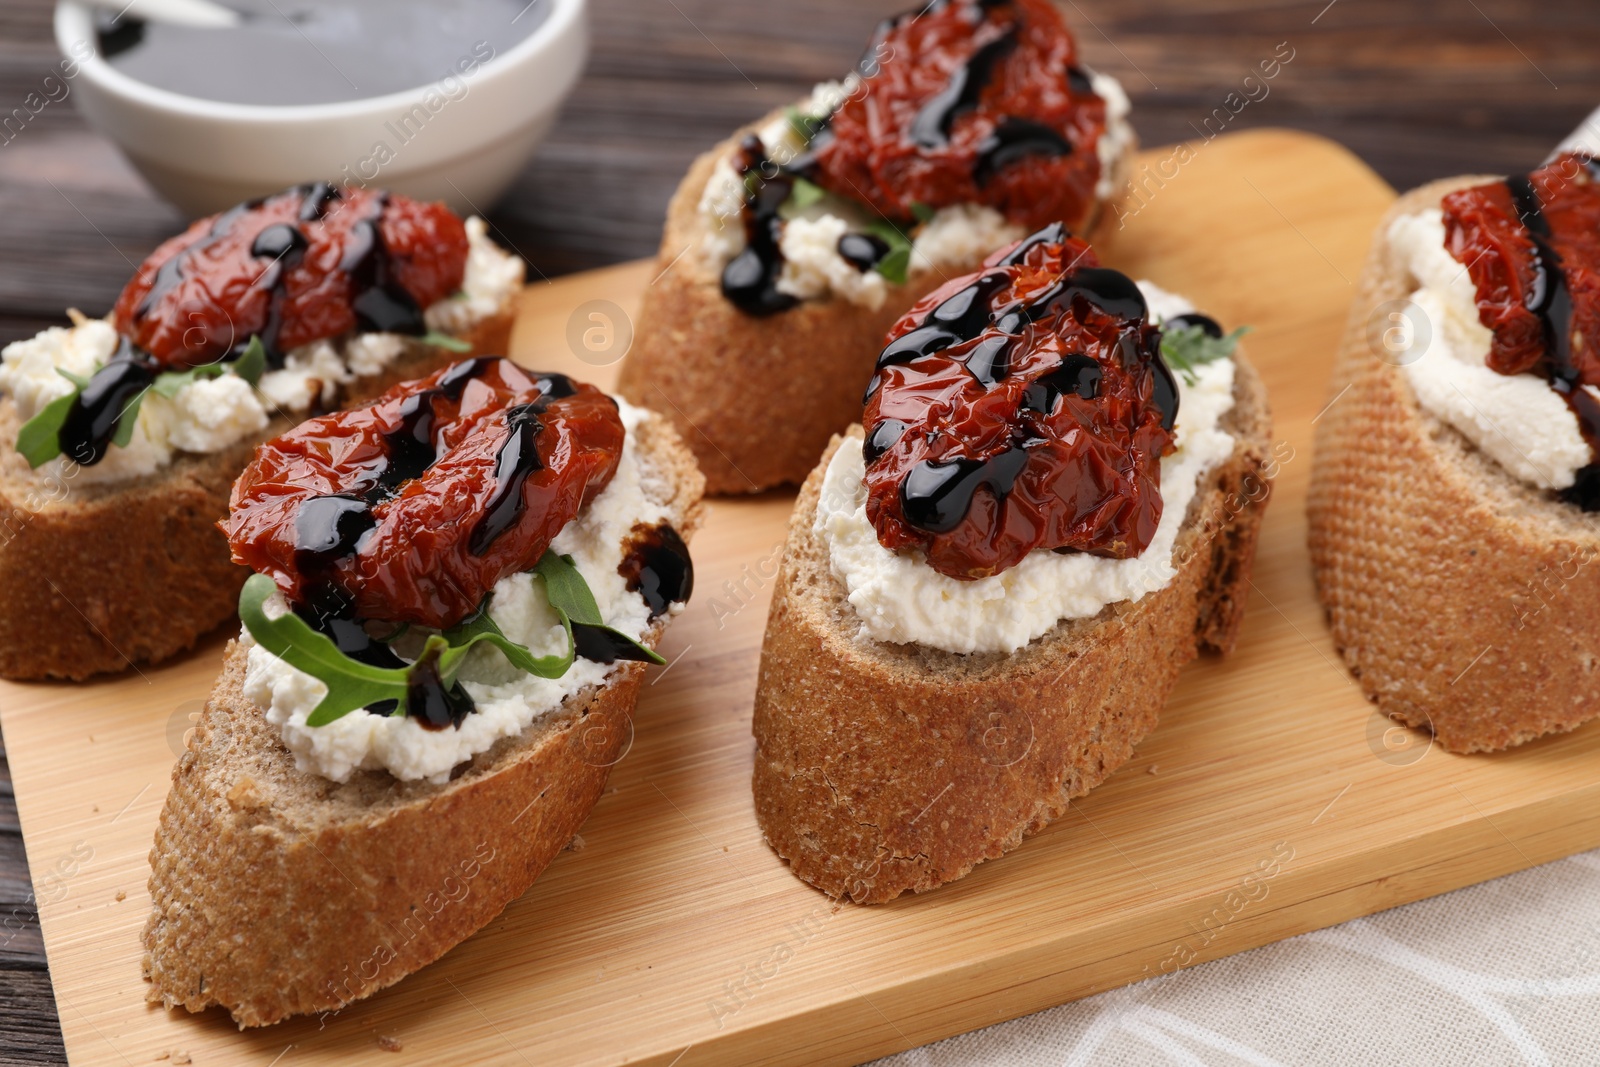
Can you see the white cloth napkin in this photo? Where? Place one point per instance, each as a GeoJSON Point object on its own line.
{"type": "Point", "coordinates": [1507, 972]}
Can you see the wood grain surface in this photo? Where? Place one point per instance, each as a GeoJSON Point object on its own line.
{"type": "Point", "coordinates": [1271, 800]}
{"type": "Point", "coordinates": [1420, 90]}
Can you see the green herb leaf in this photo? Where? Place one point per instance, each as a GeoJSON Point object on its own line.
{"type": "Point", "coordinates": [896, 263]}
{"type": "Point", "coordinates": [128, 421]}
{"type": "Point", "coordinates": [1188, 347]}
{"type": "Point", "coordinates": [39, 439]}
{"type": "Point", "coordinates": [569, 594]}
{"type": "Point", "coordinates": [351, 684]}
{"type": "Point", "coordinates": [804, 126]}
{"type": "Point", "coordinates": [252, 363]}
{"type": "Point", "coordinates": [446, 342]}
{"type": "Point", "coordinates": [922, 212]}
{"type": "Point", "coordinates": [169, 382]}
{"type": "Point", "coordinates": [76, 379]}
{"type": "Point", "coordinates": [480, 627]}
{"type": "Point", "coordinates": [801, 196]}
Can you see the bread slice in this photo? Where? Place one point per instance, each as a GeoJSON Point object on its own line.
{"type": "Point", "coordinates": [98, 578]}
{"type": "Point", "coordinates": [881, 768]}
{"type": "Point", "coordinates": [277, 892]}
{"type": "Point", "coordinates": [756, 398]}
{"type": "Point", "coordinates": [1463, 600]}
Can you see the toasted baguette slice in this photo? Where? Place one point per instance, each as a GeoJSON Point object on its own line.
{"type": "Point", "coordinates": [881, 768]}
{"type": "Point", "coordinates": [277, 892]}
{"type": "Point", "coordinates": [757, 398]}
{"type": "Point", "coordinates": [97, 578]}
{"type": "Point", "coordinates": [1463, 600]}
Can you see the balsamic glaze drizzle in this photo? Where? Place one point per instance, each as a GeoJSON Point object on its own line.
{"type": "Point", "coordinates": [931, 126]}
{"type": "Point", "coordinates": [517, 459]}
{"type": "Point", "coordinates": [1551, 301]}
{"type": "Point", "coordinates": [657, 567]}
{"type": "Point", "coordinates": [96, 412]}
{"type": "Point", "coordinates": [750, 280]}
{"type": "Point", "coordinates": [600, 645]}
{"type": "Point", "coordinates": [1012, 140]}
{"type": "Point", "coordinates": [380, 303]}
{"type": "Point", "coordinates": [936, 496]}
{"type": "Point", "coordinates": [862, 250]}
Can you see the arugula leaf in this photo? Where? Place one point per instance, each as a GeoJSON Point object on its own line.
{"type": "Point", "coordinates": [480, 627]}
{"type": "Point", "coordinates": [569, 594]}
{"type": "Point", "coordinates": [250, 365]}
{"type": "Point", "coordinates": [169, 382]}
{"type": "Point", "coordinates": [801, 196]}
{"type": "Point", "coordinates": [39, 440]}
{"type": "Point", "coordinates": [446, 342]}
{"type": "Point", "coordinates": [922, 212]}
{"type": "Point", "coordinates": [1188, 347]}
{"type": "Point", "coordinates": [351, 684]}
{"type": "Point", "coordinates": [76, 379]}
{"type": "Point", "coordinates": [897, 261]}
{"type": "Point", "coordinates": [252, 362]}
{"type": "Point", "coordinates": [805, 126]}
{"type": "Point", "coordinates": [128, 421]}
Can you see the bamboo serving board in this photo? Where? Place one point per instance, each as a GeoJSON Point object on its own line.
{"type": "Point", "coordinates": [1271, 801]}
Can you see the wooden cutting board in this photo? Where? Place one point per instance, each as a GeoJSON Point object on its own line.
{"type": "Point", "coordinates": [1271, 801]}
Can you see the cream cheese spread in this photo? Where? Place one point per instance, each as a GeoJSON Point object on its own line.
{"type": "Point", "coordinates": [1443, 349]}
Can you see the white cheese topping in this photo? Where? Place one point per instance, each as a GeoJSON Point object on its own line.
{"type": "Point", "coordinates": [212, 414]}
{"type": "Point", "coordinates": [899, 599]}
{"type": "Point", "coordinates": [508, 702]}
{"type": "Point", "coordinates": [953, 241]}
{"type": "Point", "coordinates": [1518, 420]}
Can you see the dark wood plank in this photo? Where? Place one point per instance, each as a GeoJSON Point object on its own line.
{"type": "Point", "coordinates": [1419, 89]}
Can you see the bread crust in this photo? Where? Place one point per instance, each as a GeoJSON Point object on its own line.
{"type": "Point", "coordinates": [886, 768]}
{"type": "Point", "coordinates": [96, 579]}
{"type": "Point", "coordinates": [276, 892]}
{"type": "Point", "coordinates": [1464, 601]}
{"type": "Point", "coordinates": [756, 398]}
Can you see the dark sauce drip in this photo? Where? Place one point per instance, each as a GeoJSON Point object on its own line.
{"type": "Point", "coordinates": [97, 410]}
{"type": "Point", "coordinates": [284, 245]}
{"type": "Point", "coordinates": [600, 645]}
{"type": "Point", "coordinates": [658, 568]}
{"type": "Point", "coordinates": [329, 528]}
{"type": "Point", "coordinates": [172, 271]}
{"type": "Point", "coordinates": [517, 459]}
{"type": "Point", "coordinates": [380, 303]}
{"type": "Point", "coordinates": [750, 280]}
{"type": "Point", "coordinates": [427, 699]}
{"type": "Point", "coordinates": [1053, 234]}
{"type": "Point", "coordinates": [863, 251]}
{"type": "Point", "coordinates": [410, 445]}
{"type": "Point", "coordinates": [882, 438]}
{"type": "Point", "coordinates": [937, 496]}
{"type": "Point", "coordinates": [990, 360]}
{"type": "Point", "coordinates": [1077, 375]}
{"type": "Point", "coordinates": [318, 195]}
{"type": "Point", "coordinates": [1208, 325]}
{"type": "Point", "coordinates": [961, 316]}
{"type": "Point", "coordinates": [1551, 301]}
{"type": "Point", "coordinates": [931, 127]}
{"type": "Point", "coordinates": [1080, 81]}
{"type": "Point", "coordinates": [1015, 139]}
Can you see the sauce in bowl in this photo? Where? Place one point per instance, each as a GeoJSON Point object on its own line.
{"type": "Point", "coordinates": [287, 52]}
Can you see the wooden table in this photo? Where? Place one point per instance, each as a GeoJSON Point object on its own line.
{"type": "Point", "coordinates": [1421, 89]}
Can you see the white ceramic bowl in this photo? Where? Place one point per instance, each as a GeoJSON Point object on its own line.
{"type": "Point", "coordinates": [205, 156]}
